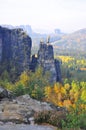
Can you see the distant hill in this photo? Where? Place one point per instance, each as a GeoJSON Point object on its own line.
{"type": "Point", "coordinates": [36, 37]}
{"type": "Point", "coordinates": [74, 41]}
{"type": "Point", "coordinates": [26, 28]}
{"type": "Point", "coordinates": [60, 40]}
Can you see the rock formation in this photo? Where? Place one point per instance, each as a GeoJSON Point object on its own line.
{"type": "Point", "coordinates": [47, 61]}
{"type": "Point", "coordinates": [15, 49]}
{"type": "Point", "coordinates": [15, 53]}
{"type": "Point", "coordinates": [4, 93]}
{"type": "Point", "coordinates": [23, 109]}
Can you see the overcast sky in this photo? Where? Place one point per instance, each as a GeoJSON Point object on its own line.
{"type": "Point", "coordinates": [67, 15]}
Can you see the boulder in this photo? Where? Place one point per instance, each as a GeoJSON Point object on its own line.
{"type": "Point", "coordinates": [3, 92]}
{"type": "Point", "coordinates": [33, 104]}
{"type": "Point", "coordinates": [5, 95]}
{"type": "Point", "coordinates": [22, 109]}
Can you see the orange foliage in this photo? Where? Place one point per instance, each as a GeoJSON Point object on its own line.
{"type": "Point", "coordinates": [83, 69]}
{"type": "Point", "coordinates": [65, 96]}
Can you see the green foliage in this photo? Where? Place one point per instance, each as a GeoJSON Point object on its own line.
{"type": "Point", "coordinates": [28, 83]}
{"type": "Point", "coordinates": [5, 76]}
{"type": "Point", "coordinates": [73, 119]}
{"type": "Point", "coordinates": [36, 83]}
{"type": "Point", "coordinates": [33, 83]}
{"type": "Point", "coordinates": [76, 118]}
{"type": "Point", "coordinates": [37, 93]}
{"type": "Point", "coordinates": [83, 121]}
{"type": "Point", "coordinates": [73, 67]}
{"type": "Point", "coordinates": [71, 93]}
{"type": "Point", "coordinates": [19, 90]}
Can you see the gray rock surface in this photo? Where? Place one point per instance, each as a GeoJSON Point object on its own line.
{"type": "Point", "coordinates": [15, 55]}
{"type": "Point", "coordinates": [48, 63]}
{"type": "Point", "coordinates": [15, 50]}
{"type": "Point", "coordinates": [22, 109]}
{"type": "Point", "coordinates": [25, 127]}
{"type": "Point", "coordinates": [4, 94]}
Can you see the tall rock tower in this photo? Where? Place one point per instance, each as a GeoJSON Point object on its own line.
{"type": "Point", "coordinates": [48, 63]}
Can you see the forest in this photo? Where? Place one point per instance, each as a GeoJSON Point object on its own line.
{"type": "Point", "coordinates": [69, 94]}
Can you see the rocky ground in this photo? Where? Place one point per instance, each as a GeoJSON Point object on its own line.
{"type": "Point", "coordinates": [20, 109]}
{"type": "Point", "coordinates": [18, 113]}
{"type": "Point", "coordinates": [25, 127]}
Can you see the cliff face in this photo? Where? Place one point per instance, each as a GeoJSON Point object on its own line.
{"type": "Point", "coordinates": [48, 63]}
{"type": "Point", "coordinates": [15, 53]}
{"type": "Point", "coordinates": [15, 49]}
{"type": "Point", "coordinates": [45, 59]}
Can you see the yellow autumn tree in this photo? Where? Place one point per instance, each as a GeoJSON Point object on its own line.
{"type": "Point", "coordinates": [67, 95]}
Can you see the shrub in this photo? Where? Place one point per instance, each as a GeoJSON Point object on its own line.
{"type": "Point", "coordinates": [19, 90]}
{"type": "Point", "coordinates": [51, 117]}
{"type": "Point", "coordinates": [42, 117]}
{"type": "Point", "coordinates": [76, 118]}
{"type": "Point", "coordinates": [37, 93]}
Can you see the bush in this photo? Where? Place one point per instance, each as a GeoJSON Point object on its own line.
{"type": "Point", "coordinates": [52, 117]}
{"type": "Point", "coordinates": [37, 93]}
{"type": "Point", "coordinates": [42, 117]}
{"type": "Point", "coordinates": [61, 119]}
{"type": "Point", "coordinates": [76, 118]}
{"type": "Point", "coordinates": [83, 121]}
{"type": "Point", "coordinates": [19, 90]}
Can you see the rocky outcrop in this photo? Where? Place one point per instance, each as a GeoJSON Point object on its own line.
{"type": "Point", "coordinates": [48, 63]}
{"type": "Point", "coordinates": [15, 49]}
{"type": "Point", "coordinates": [12, 126]}
{"type": "Point", "coordinates": [4, 93]}
{"type": "Point", "coordinates": [15, 53]}
{"type": "Point", "coordinates": [22, 109]}
{"type": "Point", "coordinates": [45, 59]}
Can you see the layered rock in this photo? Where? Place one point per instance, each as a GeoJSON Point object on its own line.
{"type": "Point", "coordinates": [15, 49]}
